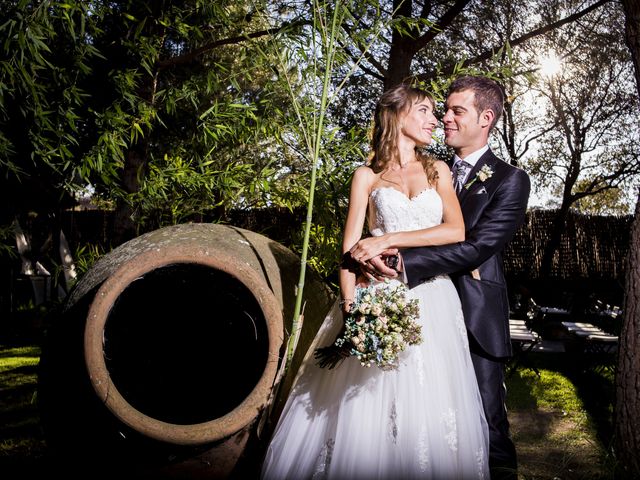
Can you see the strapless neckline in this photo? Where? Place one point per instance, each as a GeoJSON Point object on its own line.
{"type": "Point", "coordinates": [402, 194]}
{"type": "Point", "coordinates": [391, 210]}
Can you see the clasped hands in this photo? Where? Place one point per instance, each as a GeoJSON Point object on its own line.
{"type": "Point", "coordinates": [369, 255]}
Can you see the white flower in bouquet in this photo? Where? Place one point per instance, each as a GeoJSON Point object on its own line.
{"type": "Point", "coordinates": [382, 323]}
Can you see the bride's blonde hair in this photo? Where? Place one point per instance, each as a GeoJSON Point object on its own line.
{"type": "Point", "coordinates": [386, 125]}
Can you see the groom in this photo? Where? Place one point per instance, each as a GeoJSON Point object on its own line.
{"type": "Point", "coordinates": [493, 197]}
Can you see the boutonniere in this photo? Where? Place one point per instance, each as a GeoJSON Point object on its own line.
{"type": "Point", "coordinates": [483, 175]}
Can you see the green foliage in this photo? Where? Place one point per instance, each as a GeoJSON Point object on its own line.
{"type": "Point", "coordinates": [135, 95]}
{"type": "Point", "coordinates": [8, 241]}
{"type": "Point", "coordinates": [45, 58]}
{"type": "Point", "coordinates": [85, 256]}
{"type": "Point", "coordinates": [176, 190]}
{"type": "Point", "coordinates": [214, 144]}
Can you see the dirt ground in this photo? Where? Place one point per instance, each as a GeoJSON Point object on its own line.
{"type": "Point", "coordinates": [552, 446]}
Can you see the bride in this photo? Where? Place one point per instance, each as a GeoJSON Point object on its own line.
{"type": "Point", "coordinates": [423, 419]}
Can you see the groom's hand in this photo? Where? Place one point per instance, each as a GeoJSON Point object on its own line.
{"type": "Point", "coordinates": [379, 268]}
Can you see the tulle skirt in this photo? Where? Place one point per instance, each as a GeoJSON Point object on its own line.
{"type": "Point", "coordinates": [421, 420]}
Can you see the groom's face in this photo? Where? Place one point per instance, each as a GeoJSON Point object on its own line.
{"type": "Point", "coordinates": [464, 129]}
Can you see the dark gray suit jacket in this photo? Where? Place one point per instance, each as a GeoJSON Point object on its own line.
{"type": "Point", "coordinates": [492, 212]}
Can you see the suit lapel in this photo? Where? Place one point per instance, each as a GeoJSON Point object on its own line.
{"type": "Point", "coordinates": [487, 159]}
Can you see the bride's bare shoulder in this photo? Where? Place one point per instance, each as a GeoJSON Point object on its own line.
{"type": "Point", "coordinates": [364, 172]}
{"type": "Point", "coordinates": [364, 177]}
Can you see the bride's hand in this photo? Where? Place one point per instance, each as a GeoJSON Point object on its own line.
{"type": "Point", "coordinates": [379, 269]}
{"type": "Point", "coordinates": [367, 248]}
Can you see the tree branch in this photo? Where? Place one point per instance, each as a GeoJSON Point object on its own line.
{"type": "Point", "coordinates": [513, 43]}
{"type": "Point", "coordinates": [379, 75]}
{"type": "Point", "coordinates": [367, 55]}
{"type": "Point", "coordinates": [537, 136]}
{"type": "Point", "coordinates": [193, 54]}
{"type": "Point", "coordinates": [440, 25]}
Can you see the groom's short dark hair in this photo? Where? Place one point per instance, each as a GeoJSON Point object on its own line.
{"type": "Point", "coordinates": [488, 94]}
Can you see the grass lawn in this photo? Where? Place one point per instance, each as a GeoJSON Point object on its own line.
{"type": "Point", "coordinates": [22, 446]}
{"type": "Point", "coordinates": [558, 432]}
{"type": "Point", "coordinates": [560, 419]}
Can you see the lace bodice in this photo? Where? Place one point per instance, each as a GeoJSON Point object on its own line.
{"type": "Point", "coordinates": [390, 210]}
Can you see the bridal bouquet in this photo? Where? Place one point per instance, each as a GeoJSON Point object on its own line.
{"type": "Point", "coordinates": [380, 324]}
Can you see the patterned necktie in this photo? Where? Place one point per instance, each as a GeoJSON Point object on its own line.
{"type": "Point", "coordinates": [460, 169]}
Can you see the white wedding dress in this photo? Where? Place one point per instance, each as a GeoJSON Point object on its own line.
{"type": "Point", "coordinates": [421, 420]}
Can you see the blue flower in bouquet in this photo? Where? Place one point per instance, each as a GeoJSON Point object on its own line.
{"type": "Point", "coordinates": [381, 324]}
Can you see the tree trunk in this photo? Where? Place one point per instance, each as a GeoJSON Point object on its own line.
{"type": "Point", "coordinates": [508, 133]}
{"type": "Point", "coordinates": [402, 52]}
{"type": "Point", "coordinates": [632, 14]}
{"type": "Point", "coordinates": [399, 65]}
{"type": "Point", "coordinates": [627, 423]}
{"type": "Point", "coordinates": [627, 409]}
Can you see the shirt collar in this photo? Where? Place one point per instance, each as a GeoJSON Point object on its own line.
{"type": "Point", "coordinates": [473, 157]}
